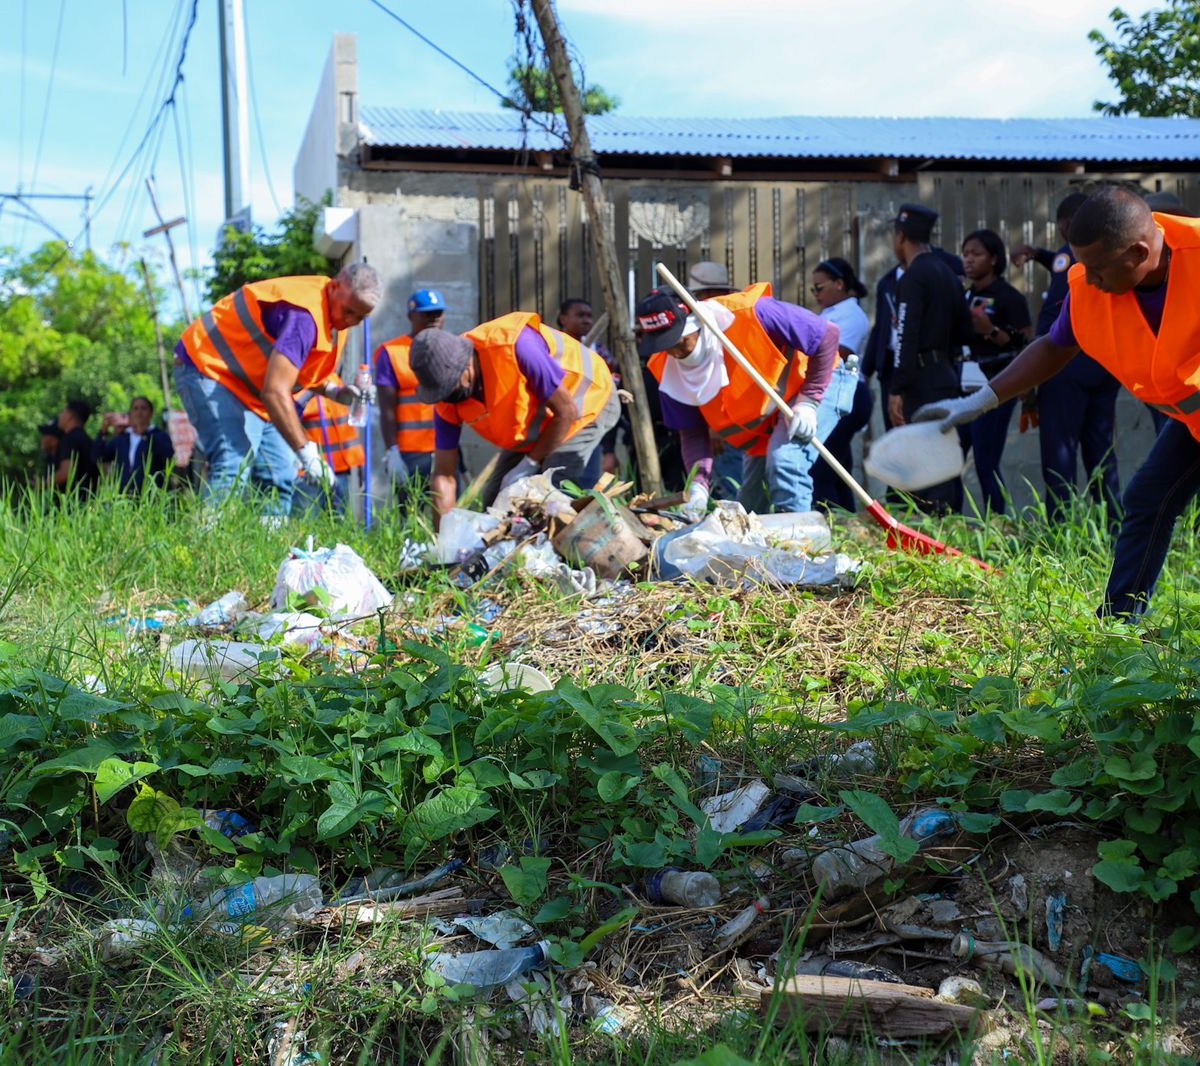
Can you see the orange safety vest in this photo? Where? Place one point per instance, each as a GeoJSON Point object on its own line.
{"type": "Point", "coordinates": [337, 439]}
{"type": "Point", "coordinates": [229, 343]}
{"type": "Point", "coordinates": [1164, 370]}
{"type": "Point", "coordinates": [740, 414]}
{"type": "Point", "coordinates": [414, 419]}
{"type": "Point", "coordinates": [509, 415]}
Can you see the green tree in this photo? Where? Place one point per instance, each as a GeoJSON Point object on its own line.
{"type": "Point", "coordinates": [532, 88]}
{"type": "Point", "coordinates": [71, 327]}
{"type": "Point", "coordinates": [256, 255]}
{"type": "Point", "coordinates": [1154, 61]}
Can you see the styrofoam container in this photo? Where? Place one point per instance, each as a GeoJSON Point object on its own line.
{"type": "Point", "coordinates": [500, 677]}
{"type": "Point", "coordinates": [915, 456]}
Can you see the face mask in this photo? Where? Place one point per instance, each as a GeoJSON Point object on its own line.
{"type": "Point", "coordinates": [459, 395]}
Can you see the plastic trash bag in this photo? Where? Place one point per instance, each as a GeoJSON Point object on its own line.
{"type": "Point", "coordinates": [913, 457]}
{"type": "Point", "coordinates": [333, 578]}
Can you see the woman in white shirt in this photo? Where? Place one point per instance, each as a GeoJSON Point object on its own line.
{"type": "Point", "coordinates": [837, 291]}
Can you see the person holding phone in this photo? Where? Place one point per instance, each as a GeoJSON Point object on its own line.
{"type": "Point", "coordinates": [1001, 327]}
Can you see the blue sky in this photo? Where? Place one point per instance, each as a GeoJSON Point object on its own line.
{"type": "Point", "coordinates": [73, 119]}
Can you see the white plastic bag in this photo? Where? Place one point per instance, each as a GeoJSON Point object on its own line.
{"type": "Point", "coordinates": [333, 578]}
{"type": "Point", "coordinates": [913, 457]}
{"type": "Point", "coordinates": [460, 534]}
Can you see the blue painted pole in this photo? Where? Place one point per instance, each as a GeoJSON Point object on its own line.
{"type": "Point", "coordinates": [367, 516]}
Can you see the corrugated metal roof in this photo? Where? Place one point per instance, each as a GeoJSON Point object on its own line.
{"type": "Point", "coordinates": [802, 137]}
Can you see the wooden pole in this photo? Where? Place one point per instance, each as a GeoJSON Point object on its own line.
{"type": "Point", "coordinates": [604, 245]}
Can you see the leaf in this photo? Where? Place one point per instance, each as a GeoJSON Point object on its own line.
{"type": "Point", "coordinates": [1184, 939]}
{"type": "Point", "coordinates": [1056, 801]}
{"type": "Point", "coordinates": [807, 814]}
{"type": "Point", "coordinates": [692, 715]}
{"type": "Point", "coordinates": [600, 711]}
{"type": "Point", "coordinates": [148, 808]}
{"type": "Point", "coordinates": [553, 910]}
{"type": "Point", "coordinates": [483, 773]}
{"type": "Point", "coordinates": [305, 769]}
{"type": "Point", "coordinates": [1143, 819]}
{"type": "Point", "coordinates": [1014, 800]}
{"type": "Point", "coordinates": [618, 921]}
{"type": "Point", "coordinates": [1139, 766]}
{"type": "Point", "coordinates": [176, 821]}
{"type": "Point", "coordinates": [526, 882]}
{"type": "Point", "coordinates": [533, 780]}
{"type": "Point", "coordinates": [83, 760]}
{"type": "Point", "coordinates": [718, 1055]}
{"type": "Point", "coordinates": [614, 786]}
{"type": "Point", "coordinates": [1116, 849]}
{"type": "Point", "coordinates": [346, 810]}
{"type": "Point", "coordinates": [882, 820]}
{"type": "Point", "coordinates": [221, 767]}
{"type": "Point", "coordinates": [414, 742]}
{"type": "Point", "coordinates": [975, 822]}
{"type": "Point", "coordinates": [1074, 774]}
{"type": "Point", "coordinates": [112, 775]}
{"type": "Point", "coordinates": [17, 728]}
{"type": "Point", "coordinates": [645, 854]}
{"type": "Point", "coordinates": [446, 812]}
{"type": "Point", "coordinates": [1121, 875]}
{"type": "Point", "coordinates": [709, 845]}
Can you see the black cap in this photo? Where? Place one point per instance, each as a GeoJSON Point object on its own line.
{"type": "Point", "coordinates": [915, 221]}
{"type": "Point", "coordinates": [438, 358]}
{"type": "Point", "coordinates": [660, 318]}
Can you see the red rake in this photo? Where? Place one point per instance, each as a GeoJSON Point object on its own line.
{"type": "Point", "coordinates": [899, 536]}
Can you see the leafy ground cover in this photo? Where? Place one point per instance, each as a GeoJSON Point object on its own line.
{"type": "Point", "coordinates": [1062, 745]}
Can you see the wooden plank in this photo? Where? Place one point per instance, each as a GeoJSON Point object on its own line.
{"type": "Point", "coordinates": [847, 1005]}
{"type": "Point", "coordinates": [737, 235]}
{"type": "Point", "coordinates": [791, 282]}
{"type": "Point", "coordinates": [504, 265]}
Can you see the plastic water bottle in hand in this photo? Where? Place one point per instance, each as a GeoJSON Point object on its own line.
{"type": "Point", "coordinates": [358, 409]}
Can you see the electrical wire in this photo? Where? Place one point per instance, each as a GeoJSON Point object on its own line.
{"type": "Point", "coordinates": [262, 141]}
{"type": "Point", "coordinates": [191, 155]}
{"type": "Point", "coordinates": [37, 158]}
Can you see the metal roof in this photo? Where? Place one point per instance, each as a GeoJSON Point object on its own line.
{"type": "Point", "coordinates": [802, 137]}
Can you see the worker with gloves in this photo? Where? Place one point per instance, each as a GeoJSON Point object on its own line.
{"type": "Point", "coordinates": [537, 394]}
{"type": "Point", "coordinates": [238, 367]}
{"type": "Point", "coordinates": [405, 421]}
{"type": "Point", "coordinates": [1131, 305]}
{"type": "Point", "coordinates": [327, 424]}
{"type": "Point", "coordinates": [705, 392]}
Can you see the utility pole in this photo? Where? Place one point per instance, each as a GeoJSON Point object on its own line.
{"type": "Point", "coordinates": [235, 114]}
{"type": "Point", "coordinates": [158, 339]}
{"type": "Point", "coordinates": [583, 162]}
{"type": "Point", "coordinates": [165, 229]}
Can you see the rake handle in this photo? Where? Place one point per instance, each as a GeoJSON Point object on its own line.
{"type": "Point", "coordinates": [784, 407]}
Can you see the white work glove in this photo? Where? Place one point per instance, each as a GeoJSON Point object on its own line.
{"type": "Point", "coordinates": [697, 501]}
{"type": "Point", "coordinates": [957, 412]}
{"type": "Point", "coordinates": [393, 461]}
{"type": "Point", "coordinates": [524, 468]}
{"type": "Point", "coordinates": [312, 462]}
{"type": "Point", "coordinates": [803, 426]}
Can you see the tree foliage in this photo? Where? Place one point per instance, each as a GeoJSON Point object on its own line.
{"type": "Point", "coordinates": [533, 88]}
{"type": "Point", "coordinates": [256, 255]}
{"type": "Point", "coordinates": [71, 327]}
{"type": "Point", "coordinates": [1154, 61]}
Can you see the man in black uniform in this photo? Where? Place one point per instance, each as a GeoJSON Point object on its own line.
{"type": "Point", "coordinates": [932, 324]}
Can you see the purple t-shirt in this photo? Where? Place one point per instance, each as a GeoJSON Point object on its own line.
{"type": "Point", "coordinates": [1151, 301]}
{"type": "Point", "coordinates": [788, 325]}
{"type": "Point", "coordinates": [385, 373]}
{"type": "Point", "coordinates": [542, 375]}
{"type": "Point", "coordinates": [293, 328]}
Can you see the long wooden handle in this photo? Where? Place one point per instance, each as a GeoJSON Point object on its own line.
{"type": "Point", "coordinates": [785, 409]}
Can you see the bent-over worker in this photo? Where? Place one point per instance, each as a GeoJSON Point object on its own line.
{"type": "Point", "coordinates": [538, 395]}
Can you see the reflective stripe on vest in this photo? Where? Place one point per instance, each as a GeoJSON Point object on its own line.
{"type": "Point", "coordinates": [337, 439]}
{"type": "Point", "coordinates": [1163, 369]}
{"type": "Point", "coordinates": [414, 419]}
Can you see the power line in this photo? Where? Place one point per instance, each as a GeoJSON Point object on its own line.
{"type": "Point", "coordinates": [37, 159]}
{"type": "Point", "coordinates": [21, 106]}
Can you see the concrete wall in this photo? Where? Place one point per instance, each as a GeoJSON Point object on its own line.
{"type": "Point", "coordinates": [332, 123]}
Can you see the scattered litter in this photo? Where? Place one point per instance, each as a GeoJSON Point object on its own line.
{"type": "Point", "coordinates": [385, 883]}
{"type": "Point", "coordinates": [684, 888]}
{"type": "Point", "coordinates": [964, 990]}
{"type": "Point", "coordinates": [539, 560]}
{"type": "Point", "coordinates": [274, 903]}
{"type": "Point", "coordinates": [602, 537]}
{"type": "Point", "coordinates": [1018, 893]}
{"type": "Point", "coordinates": [535, 493]}
{"type": "Point", "coordinates": [286, 1046]}
{"type": "Point", "coordinates": [460, 534]}
{"type": "Point", "coordinates": [291, 627]}
{"type": "Point", "coordinates": [229, 824]}
{"type": "Point", "coordinates": [1053, 1005]}
{"type": "Point", "coordinates": [823, 966]}
{"type": "Point", "coordinates": [228, 660]}
{"type": "Point", "coordinates": [914, 456]}
{"type": "Point", "coordinates": [943, 911]}
{"type": "Point", "coordinates": [736, 928]}
{"type": "Point", "coordinates": [504, 929]}
{"type": "Point", "coordinates": [122, 937]}
{"type": "Point", "coordinates": [1056, 906]}
{"type": "Point", "coordinates": [606, 1016]}
{"type": "Point", "coordinates": [731, 547]}
{"type": "Point", "coordinates": [533, 995]}
{"type": "Point", "coordinates": [220, 613]}
{"type": "Point", "coordinates": [1010, 956]}
{"type": "Point", "coordinates": [484, 970]}
{"type": "Point", "coordinates": [335, 579]}
{"type": "Point", "coordinates": [501, 677]}
{"type": "Point", "coordinates": [1103, 967]}
{"type": "Point", "coordinates": [732, 809]}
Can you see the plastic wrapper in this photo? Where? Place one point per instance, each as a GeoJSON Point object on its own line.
{"type": "Point", "coordinates": [335, 579]}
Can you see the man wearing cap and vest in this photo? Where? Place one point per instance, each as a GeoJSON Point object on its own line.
{"type": "Point", "coordinates": [538, 395]}
{"type": "Point", "coordinates": [404, 420]}
{"type": "Point", "coordinates": [703, 390]}
{"type": "Point", "coordinates": [238, 367]}
{"type": "Point", "coordinates": [327, 424]}
{"type": "Point", "coordinates": [1131, 305]}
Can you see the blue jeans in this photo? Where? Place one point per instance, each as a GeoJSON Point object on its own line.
{"type": "Point", "coordinates": [1167, 482]}
{"type": "Point", "coordinates": [782, 480]}
{"type": "Point", "coordinates": [240, 447]}
{"type": "Point", "coordinates": [308, 499]}
{"type": "Point", "coordinates": [727, 474]}
{"type": "Point", "coordinates": [829, 490]}
{"type": "Point", "coordinates": [986, 436]}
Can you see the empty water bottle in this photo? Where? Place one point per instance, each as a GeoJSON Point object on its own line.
{"type": "Point", "coordinates": [685, 888]}
{"type": "Point", "coordinates": [840, 871]}
{"type": "Point", "coordinates": [272, 902]}
{"type": "Point", "coordinates": [358, 409]}
{"type": "Point", "coordinates": [1011, 957]}
{"type": "Point", "coordinates": [490, 969]}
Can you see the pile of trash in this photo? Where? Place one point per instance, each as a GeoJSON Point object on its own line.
{"type": "Point", "coordinates": [583, 545]}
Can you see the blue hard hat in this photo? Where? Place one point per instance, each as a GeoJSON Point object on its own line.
{"type": "Point", "coordinates": [427, 300]}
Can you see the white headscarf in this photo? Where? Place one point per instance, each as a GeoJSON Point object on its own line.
{"type": "Point", "coordinates": [696, 379]}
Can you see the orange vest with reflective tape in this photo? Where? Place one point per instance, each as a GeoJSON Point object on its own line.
{"type": "Point", "coordinates": [414, 419]}
{"type": "Point", "coordinates": [510, 416]}
{"type": "Point", "coordinates": [740, 414]}
{"type": "Point", "coordinates": [337, 439]}
{"type": "Point", "coordinates": [1164, 370]}
{"type": "Point", "coordinates": [230, 344]}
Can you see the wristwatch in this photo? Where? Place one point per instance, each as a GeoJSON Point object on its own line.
{"type": "Point", "coordinates": [994, 333]}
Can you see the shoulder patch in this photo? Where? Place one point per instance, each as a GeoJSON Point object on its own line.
{"type": "Point", "coordinates": [1062, 262]}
